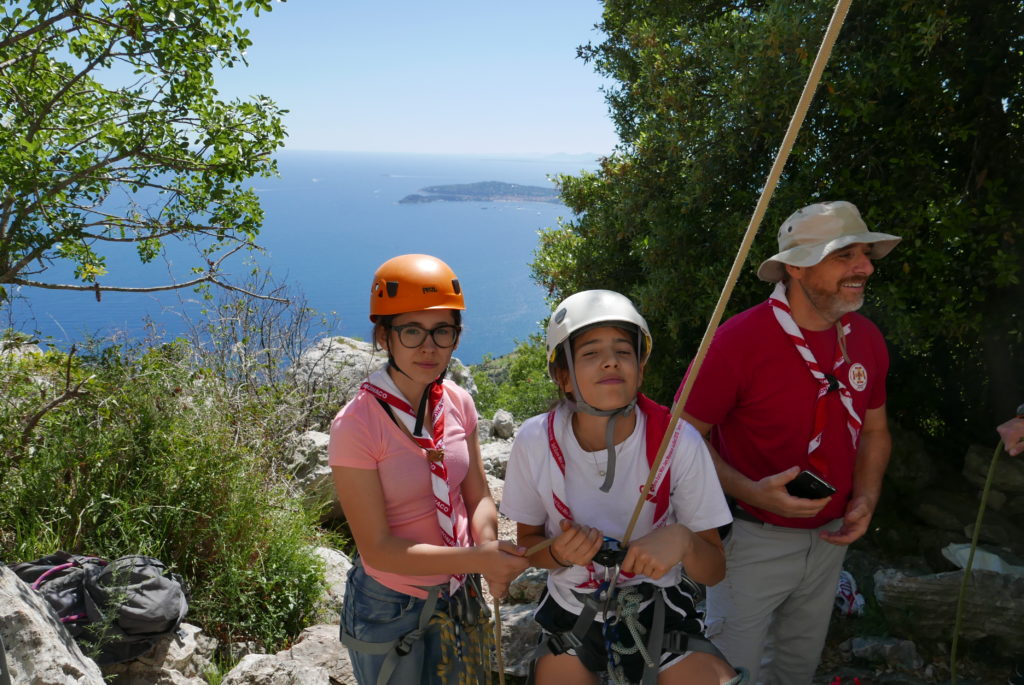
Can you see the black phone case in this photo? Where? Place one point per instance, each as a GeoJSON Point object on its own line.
{"type": "Point", "coordinates": [809, 486]}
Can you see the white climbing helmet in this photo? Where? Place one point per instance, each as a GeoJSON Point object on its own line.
{"type": "Point", "coordinates": [591, 308]}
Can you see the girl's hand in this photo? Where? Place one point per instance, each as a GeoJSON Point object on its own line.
{"type": "Point", "coordinates": [656, 553]}
{"type": "Point", "coordinates": [577, 544]}
{"type": "Point", "coordinates": [501, 562]}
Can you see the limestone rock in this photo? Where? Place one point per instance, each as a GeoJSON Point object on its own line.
{"type": "Point", "coordinates": [321, 647]}
{"type": "Point", "coordinates": [1009, 475]}
{"type": "Point", "coordinates": [337, 566]}
{"type": "Point", "coordinates": [503, 425]}
{"type": "Point", "coordinates": [888, 650]}
{"type": "Point", "coordinates": [519, 634]}
{"type": "Point", "coordinates": [924, 607]}
{"type": "Point", "coordinates": [494, 455]}
{"type": "Point", "coordinates": [311, 475]}
{"type": "Point", "coordinates": [269, 669]}
{"type": "Point", "coordinates": [528, 586]}
{"type": "Point", "coordinates": [178, 659]}
{"type": "Point", "coordinates": [39, 649]}
{"type": "Point", "coordinates": [947, 510]}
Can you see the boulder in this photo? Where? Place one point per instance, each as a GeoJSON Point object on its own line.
{"type": "Point", "coordinates": [179, 659]}
{"type": "Point", "coordinates": [270, 669]}
{"type": "Point", "coordinates": [519, 635]}
{"type": "Point", "coordinates": [321, 647]}
{"type": "Point", "coordinates": [924, 607]}
{"type": "Point", "coordinates": [311, 476]}
{"type": "Point", "coordinates": [890, 651]}
{"type": "Point", "coordinates": [947, 510]}
{"type": "Point", "coordinates": [528, 586]}
{"type": "Point", "coordinates": [39, 649]}
{"type": "Point", "coordinates": [495, 457]}
{"type": "Point", "coordinates": [336, 568]}
{"type": "Point", "coordinates": [503, 425]}
{"type": "Point", "coordinates": [1009, 474]}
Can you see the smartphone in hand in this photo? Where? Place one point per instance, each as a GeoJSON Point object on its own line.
{"type": "Point", "coordinates": [809, 486]}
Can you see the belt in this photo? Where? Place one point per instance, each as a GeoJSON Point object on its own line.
{"type": "Point", "coordinates": [742, 514]}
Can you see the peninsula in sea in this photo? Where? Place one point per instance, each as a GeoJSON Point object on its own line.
{"type": "Point", "coordinates": [484, 191]}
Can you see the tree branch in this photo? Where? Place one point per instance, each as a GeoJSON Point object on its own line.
{"type": "Point", "coordinates": [4, 44]}
{"type": "Point", "coordinates": [69, 393]}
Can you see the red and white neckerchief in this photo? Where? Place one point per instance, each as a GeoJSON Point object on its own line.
{"type": "Point", "coordinates": [826, 382]}
{"type": "Point", "coordinates": [560, 500]}
{"type": "Point", "coordinates": [433, 446]}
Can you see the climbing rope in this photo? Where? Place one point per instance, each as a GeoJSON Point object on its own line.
{"type": "Point", "coordinates": [970, 562]}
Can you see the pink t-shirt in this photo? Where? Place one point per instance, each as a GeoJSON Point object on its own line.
{"type": "Point", "coordinates": [756, 391]}
{"type": "Point", "coordinates": [363, 436]}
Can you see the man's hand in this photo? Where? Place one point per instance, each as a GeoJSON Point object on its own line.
{"type": "Point", "coordinates": [770, 494]}
{"type": "Point", "coordinates": [855, 522]}
{"type": "Point", "coordinates": [1012, 433]}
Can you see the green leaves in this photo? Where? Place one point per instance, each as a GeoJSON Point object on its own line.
{"type": "Point", "coordinates": [919, 121]}
{"type": "Point", "coordinates": [111, 131]}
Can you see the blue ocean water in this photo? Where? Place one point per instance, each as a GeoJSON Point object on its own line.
{"type": "Point", "coordinates": [331, 219]}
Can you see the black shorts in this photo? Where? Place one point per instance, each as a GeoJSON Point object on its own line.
{"type": "Point", "coordinates": [680, 615]}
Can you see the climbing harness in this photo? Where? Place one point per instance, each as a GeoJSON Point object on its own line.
{"type": "Point", "coordinates": [464, 628]}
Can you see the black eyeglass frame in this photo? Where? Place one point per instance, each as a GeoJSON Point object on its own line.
{"type": "Point", "coordinates": [432, 332]}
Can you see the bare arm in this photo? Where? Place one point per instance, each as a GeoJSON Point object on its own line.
{"type": "Point", "coordinates": [769, 493]}
{"type": "Point", "coordinates": [362, 497]}
{"type": "Point", "coordinates": [483, 515]}
{"type": "Point", "coordinates": [872, 460]}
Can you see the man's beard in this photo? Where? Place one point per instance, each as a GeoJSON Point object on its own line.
{"type": "Point", "coordinates": [831, 304]}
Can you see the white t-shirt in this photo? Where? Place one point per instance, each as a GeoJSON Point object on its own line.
{"type": "Point", "coordinates": [696, 499]}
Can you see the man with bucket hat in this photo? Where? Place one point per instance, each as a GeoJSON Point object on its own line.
{"type": "Point", "coordinates": [795, 384]}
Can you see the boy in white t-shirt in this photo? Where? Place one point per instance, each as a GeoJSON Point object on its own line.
{"type": "Point", "coordinates": [575, 475]}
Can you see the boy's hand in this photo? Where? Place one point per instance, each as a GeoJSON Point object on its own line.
{"type": "Point", "coordinates": [656, 553]}
{"type": "Point", "coordinates": [577, 544]}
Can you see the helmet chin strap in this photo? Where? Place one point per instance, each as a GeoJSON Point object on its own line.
{"type": "Point", "coordinates": [581, 405]}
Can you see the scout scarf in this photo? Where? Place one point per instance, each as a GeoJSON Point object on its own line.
{"type": "Point", "coordinates": [382, 387]}
{"type": "Point", "coordinates": [827, 382]}
{"type": "Point", "coordinates": [659, 494]}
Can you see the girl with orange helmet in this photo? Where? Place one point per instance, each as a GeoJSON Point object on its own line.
{"type": "Point", "coordinates": [406, 463]}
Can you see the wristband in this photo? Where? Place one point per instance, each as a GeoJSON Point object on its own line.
{"type": "Point", "coordinates": [551, 551]}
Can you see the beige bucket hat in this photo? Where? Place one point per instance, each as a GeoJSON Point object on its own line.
{"type": "Point", "coordinates": [812, 233]}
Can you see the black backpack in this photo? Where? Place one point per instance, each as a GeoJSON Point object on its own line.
{"type": "Point", "coordinates": [117, 610]}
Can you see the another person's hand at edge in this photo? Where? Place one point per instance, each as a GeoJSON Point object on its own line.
{"type": "Point", "coordinates": [502, 561]}
{"type": "Point", "coordinates": [1012, 433]}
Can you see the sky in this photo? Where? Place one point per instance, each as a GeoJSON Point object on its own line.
{"type": "Point", "coordinates": [455, 76]}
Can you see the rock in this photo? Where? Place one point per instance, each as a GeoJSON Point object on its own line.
{"type": "Point", "coordinates": [913, 470]}
{"type": "Point", "coordinates": [1009, 475]}
{"type": "Point", "coordinates": [528, 586]}
{"type": "Point", "coordinates": [269, 669]}
{"type": "Point", "coordinates": [337, 362]}
{"type": "Point", "coordinates": [947, 510]}
{"type": "Point", "coordinates": [337, 566]}
{"type": "Point", "coordinates": [891, 651]}
{"type": "Point", "coordinates": [519, 634]}
{"type": "Point", "coordinates": [484, 428]}
{"type": "Point", "coordinates": [238, 650]}
{"type": "Point", "coordinates": [183, 658]}
{"type": "Point", "coordinates": [39, 649]}
{"type": "Point", "coordinates": [320, 646]}
{"type": "Point", "coordinates": [311, 476]}
{"type": "Point", "coordinates": [924, 607]}
{"type": "Point", "coordinates": [504, 425]}
{"type": "Point", "coordinates": [1000, 530]}
{"type": "Point", "coordinates": [495, 456]}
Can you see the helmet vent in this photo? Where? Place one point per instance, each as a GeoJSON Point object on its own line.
{"type": "Point", "coordinates": [392, 288]}
{"type": "Point", "coordinates": [559, 315]}
{"type": "Point", "coordinates": [456, 286]}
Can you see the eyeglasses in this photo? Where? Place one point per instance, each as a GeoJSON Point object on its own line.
{"type": "Point", "coordinates": [413, 335]}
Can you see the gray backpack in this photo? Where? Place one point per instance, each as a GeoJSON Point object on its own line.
{"type": "Point", "coordinates": [117, 610]}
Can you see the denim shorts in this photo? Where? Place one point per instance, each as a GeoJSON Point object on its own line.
{"type": "Point", "coordinates": [375, 613]}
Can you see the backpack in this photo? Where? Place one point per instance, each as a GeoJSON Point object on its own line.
{"type": "Point", "coordinates": [116, 609]}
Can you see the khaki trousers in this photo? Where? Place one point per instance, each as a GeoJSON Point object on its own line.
{"type": "Point", "coordinates": [779, 587]}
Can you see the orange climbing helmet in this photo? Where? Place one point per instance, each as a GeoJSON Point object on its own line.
{"type": "Point", "coordinates": [411, 283]}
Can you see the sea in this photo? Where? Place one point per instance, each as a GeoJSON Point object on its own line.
{"type": "Point", "coordinates": [330, 219]}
